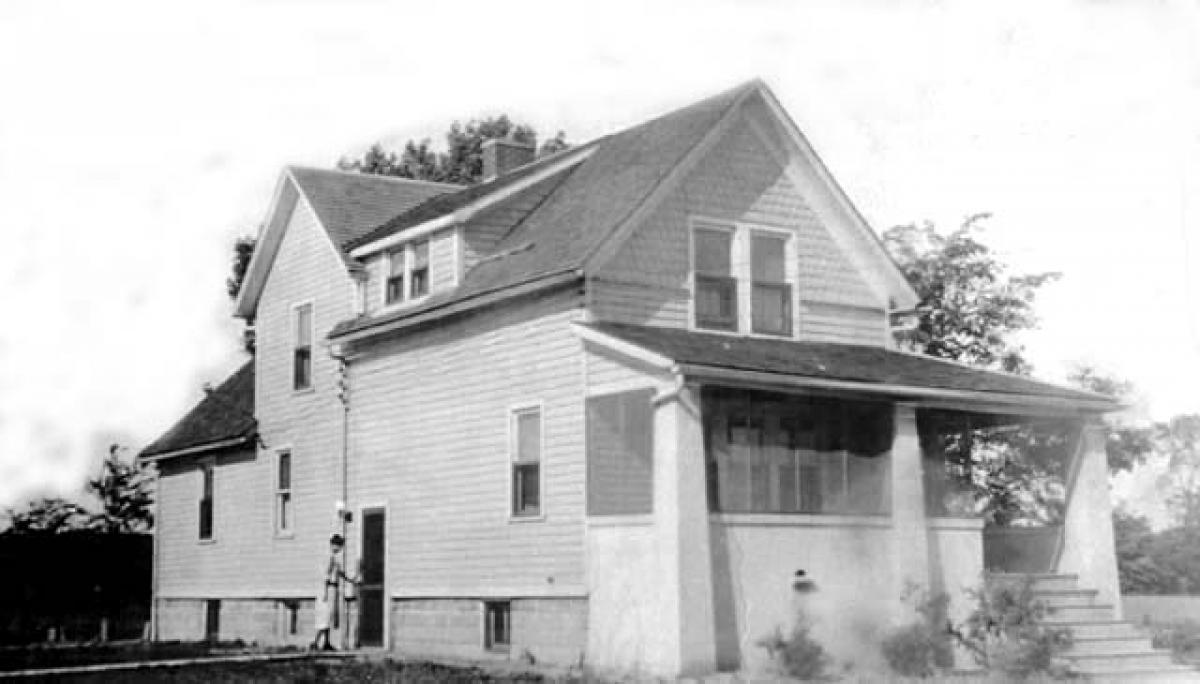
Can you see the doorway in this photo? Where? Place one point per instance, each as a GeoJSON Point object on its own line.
{"type": "Point", "coordinates": [371, 592]}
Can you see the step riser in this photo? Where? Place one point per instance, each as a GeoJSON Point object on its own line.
{"type": "Point", "coordinates": [1050, 583]}
{"type": "Point", "coordinates": [1069, 614]}
{"type": "Point", "coordinates": [1104, 646]}
{"type": "Point", "coordinates": [1114, 630]}
{"type": "Point", "coordinates": [1064, 600]}
{"type": "Point", "coordinates": [1122, 663]}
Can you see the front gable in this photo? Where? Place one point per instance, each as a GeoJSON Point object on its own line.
{"type": "Point", "coordinates": [749, 180]}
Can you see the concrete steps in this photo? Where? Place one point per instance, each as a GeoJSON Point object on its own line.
{"type": "Point", "coordinates": [1103, 648]}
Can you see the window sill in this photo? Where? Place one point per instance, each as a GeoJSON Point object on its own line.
{"type": "Point", "coordinates": [881, 520]}
{"type": "Point", "coordinates": [748, 333]}
{"type": "Point", "coordinates": [400, 306]}
{"type": "Point", "coordinates": [206, 542]}
{"type": "Point", "coordinates": [289, 534]}
{"type": "Point", "coordinates": [540, 517]}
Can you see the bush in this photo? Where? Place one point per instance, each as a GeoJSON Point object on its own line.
{"type": "Point", "coordinates": [923, 648]}
{"type": "Point", "coordinates": [1182, 638]}
{"type": "Point", "coordinates": [798, 655]}
{"type": "Point", "coordinates": [1006, 631]}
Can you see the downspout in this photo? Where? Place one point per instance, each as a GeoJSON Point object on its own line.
{"type": "Point", "coordinates": [154, 544]}
{"type": "Point", "coordinates": [343, 395]}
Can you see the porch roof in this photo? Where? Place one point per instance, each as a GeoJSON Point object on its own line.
{"type": "Point", "coordinates": [843, 366]}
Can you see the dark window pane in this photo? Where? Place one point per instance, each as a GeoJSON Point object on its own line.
{"type": "Point", "coordinates": [712, 249]}
{"type": "Point", "coordinates": [285, 471]}
{"type": "Point", "coordinates": [772, 308]}
{"type": "Point", "coordinates": [526, 494]}
{"type": "Point", "coordinates": [302, 370]}
{"type": "Point", "coordinates": [419, 281]}
{"type": "Point", "coordinates": [497, 619]}
{"type": "Point", "coordinates": [206, 518]}
{"type": "Point", "coordinates": [395, 289]}
{"type": "Point", "coordinates": [767, 259]}
{"type": "Point", "coordinates": [716, 302]}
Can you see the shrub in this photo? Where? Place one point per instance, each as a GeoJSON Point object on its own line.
{"type": "Point", "coordinates": [798, 655]}
{"type": "Point", "coordinates": [1006, 631]}
{"type": "Point", "coordinates": [923, 648]}
{"type": "Point", "coordinates": [1182, 638]}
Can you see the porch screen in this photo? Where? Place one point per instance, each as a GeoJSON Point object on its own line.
{"type": "Point", "coordinates": [769, 453]}
{"type": "Point", "coordinates": [620, 448]}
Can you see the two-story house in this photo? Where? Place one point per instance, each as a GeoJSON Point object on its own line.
{"type": "Point", "coordinates": [633, 405]}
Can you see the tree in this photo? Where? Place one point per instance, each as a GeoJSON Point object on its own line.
{"type": "Point", "coordinates": [47, 515]}
{"type": "Point", "coordinates": [462, 161]}
{"type": "Point", "coordinates": [126, 499]}
{"type": "Point", "coordinates": [1179, 439]}
{"type": "Point", "coordinates": [243, 250]}
{"type": "Point", "coordinates": [1126, 445]}
{"type": "Point", "coordinates": [969, 307]}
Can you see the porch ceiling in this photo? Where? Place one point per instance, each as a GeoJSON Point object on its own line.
{"type": "Point", "coordinates": [842, 366]}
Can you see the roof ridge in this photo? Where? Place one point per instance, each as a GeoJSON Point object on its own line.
{"type": "Point", "coordinates": [377, 176]}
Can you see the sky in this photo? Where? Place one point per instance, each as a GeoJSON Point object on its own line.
{"type": "Point", "coordinates": [138, 139]}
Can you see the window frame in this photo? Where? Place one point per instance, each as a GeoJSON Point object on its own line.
{"type": "Point", "coordinates": [695, 276]}
{"type": "Point", "coordinates": [742, 267]}
{"type": "Point", "coordinates": [208, 493]}
{"type": "Point", "coordinates": [789, 325]}
{"type": "Point", "coordinates": [296, 348]}
{"type": "Point", "coordinates": [488, 637]}
{"type": "Point", "coordinates": [278, 492]}
{"type": "Point", "coordinates": [514, 413]}
{"type": "Point", "coordinates": [407, 297]}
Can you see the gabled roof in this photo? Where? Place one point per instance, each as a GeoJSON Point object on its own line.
{"type": "Point", "coordinates": [350, 204]}
{"type": "Point", "coordinates": [865, 368]}
{"type": "Point", "coordinates": [597, 201]}
{"type": "Point", "coordinates": [347, 204]}
{"type": "Point", "coordinates": [561, 233]}
{"type": "Point", "coordinates": [224, 417]}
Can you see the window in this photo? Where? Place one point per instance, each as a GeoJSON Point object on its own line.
{"type": "Point", "coordinates": [212, 619]}
{"type": "Point", "coordinates": [407, 273]}
{"type": "Point", "coordinates": [743, 279]}
{"type": "Point", "coordinates": [419, 278]}
{"type": "Point", "coordinates": [526, 449]}
{"type": "Point", "coordinates": [771, 304]}
{"type": "Point", "coordinates": [496, 624]}
{"type": "Point", "coordinates": [395, 277]}
{"type": "Point", "coordinates": [283, 492]}
{"type": "Point", "coordinates": [716, 288]}
{"type": "Point", "coordinates": [769, 453]}
{"type": "Point", "coordinates": [302, 348]}
{"type": "Point", "coordinates": [206, 501]}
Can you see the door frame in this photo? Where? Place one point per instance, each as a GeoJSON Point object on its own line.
{"type": "Point", "coordinates": [387, 608]}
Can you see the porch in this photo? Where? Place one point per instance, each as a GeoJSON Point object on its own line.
{"type": "Point", "coordinates": [755, 493]}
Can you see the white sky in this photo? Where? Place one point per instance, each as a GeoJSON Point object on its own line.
{"type": "Point", "coordinates": [138, 139]}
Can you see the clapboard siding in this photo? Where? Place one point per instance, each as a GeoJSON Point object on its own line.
{"type": "Point", "coordinates": [483, 232]}
{"type": "Point", "coordinates": [646, 282]}
{"type": "Point", "coordinates": [248, 558]}
{"type": "Point", "coordinates": [429, 438]}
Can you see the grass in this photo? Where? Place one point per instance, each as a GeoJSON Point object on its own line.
{"type": "Point", "coordinates": [315, 669]}
{"type": "Point", "coordinates": [70, 655]}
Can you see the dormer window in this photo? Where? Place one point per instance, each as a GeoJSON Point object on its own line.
{"type": "Point", "coordinates": [419, 279]}
{"type": "Point", "coordinates": [743, 279]}
{"type": "Point", "coordinates": [407, 273]}
{"type": "Point", "coordinates": [395, 278]}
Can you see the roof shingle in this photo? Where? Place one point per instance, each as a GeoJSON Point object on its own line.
{"type": "Point", "coordinates": [825, 360]}
{"type": "Point", "coordinates": [225, 413]}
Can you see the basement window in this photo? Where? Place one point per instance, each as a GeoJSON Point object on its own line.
{"type": "Point", "coordinates": [497, 625]}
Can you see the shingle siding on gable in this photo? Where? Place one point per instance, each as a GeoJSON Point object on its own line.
{"type": "Point", "coordinates": [430, 439]}
{"type": "Point", "coordinates": [647, 281]}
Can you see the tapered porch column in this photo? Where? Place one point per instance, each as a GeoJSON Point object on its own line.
{"type": "Point", "coordinates": [910, 535]}
{"type": "Point", "coordinates": [688, 642]}
{"type": "Point", "coordinates": [1088, 548]}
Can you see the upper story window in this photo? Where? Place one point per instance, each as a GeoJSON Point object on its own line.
{"type": "Point", "coordinates": [283, 493]}
{"type": "Point", "coordinates": [206, 502]}
{"type": "Point", "coordinates": [526, 448]}
{"type": "Point", "coordinates": [742, 279]}
{"type": "Point", "coordinates": [771, 302]}
{"type": "Point", "coordinates": [407, 273]}
{"type": "Point", "coordinates": [302, 347]}
{"type": "Point", "coordinates": [716, 286]}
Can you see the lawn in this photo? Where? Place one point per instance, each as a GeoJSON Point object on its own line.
{"type": "Point", "coordinates": [314, 669]}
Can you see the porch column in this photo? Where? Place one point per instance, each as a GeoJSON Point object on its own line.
{"type": "Point", "coordinates": [687, 642]}
{"type": "Point", "coordinates": [1088, 548]}
{"type": "Point", "coordinates": [910, 536]}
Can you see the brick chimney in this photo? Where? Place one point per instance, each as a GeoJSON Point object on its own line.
{"type": "Point", "coordinates": [501, 155]}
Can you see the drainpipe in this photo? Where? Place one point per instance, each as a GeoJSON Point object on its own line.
{"type": "Point", "coordinates": [343, 395]}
